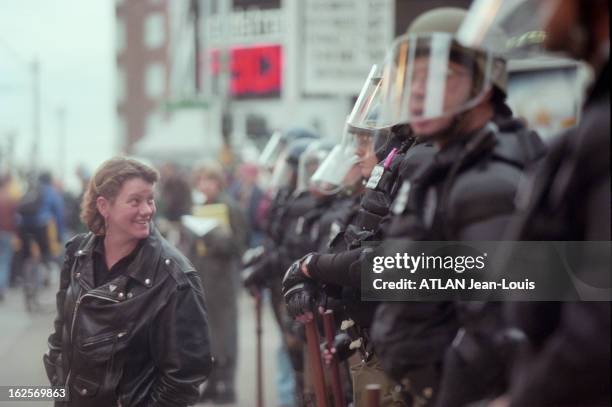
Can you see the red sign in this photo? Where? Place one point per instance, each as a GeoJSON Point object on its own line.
{"type": "Point", "coordinates": [255, 71]}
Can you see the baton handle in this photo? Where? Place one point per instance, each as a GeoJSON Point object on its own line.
{"type": "Point", "coordinates": [373, 395]}
{"type": "Point", "coordinates": [258, 331]}
{"type": "Point", "coordinates": [312, 340]}
{"type": "Point", "coordinates": [328, 325]}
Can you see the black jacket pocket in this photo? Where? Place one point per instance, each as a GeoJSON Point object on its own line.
{"type": "Point", "coordinates": [84, 387]}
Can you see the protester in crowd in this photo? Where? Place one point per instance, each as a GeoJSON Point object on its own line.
{"type": "Point", "coordinates": [73, 200]}
{"type": "Point", "coordinates": [131, 326]}
{"type": "Point", "coordinates": [176, 195]}
{"type": "Point", "coordinates": [41, 205]}
{"type": "Point", "coordinates": [217, 255]}
{"type": "Point", "coordinates": [251, 199]}
{"type": "Point", "coordinates": [8, 207]}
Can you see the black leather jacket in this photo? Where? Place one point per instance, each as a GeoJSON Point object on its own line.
{"type": "Point", "coordinates": [139, 340]}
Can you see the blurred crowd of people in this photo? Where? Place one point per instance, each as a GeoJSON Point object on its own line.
{"type": "Point", "coordinates": [33, 225]}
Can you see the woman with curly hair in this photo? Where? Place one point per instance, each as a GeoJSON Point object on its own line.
{"type": "Point", "coordinates": [131, 326]}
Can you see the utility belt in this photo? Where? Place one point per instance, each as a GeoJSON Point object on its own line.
{"type": "Point", "coordinates": [360, 339]}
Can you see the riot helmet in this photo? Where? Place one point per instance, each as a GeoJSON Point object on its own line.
{"type": "Point", "coordinates": [363, 128]}
{"type": "Point", "coordinates": [513, 28]}
{"type": "Point", "coordinates": [278, 142]}
{"type": "Point", "coordinates": [345, 164]}
{"type": "Point", "coordinates": [430, 80]}
{"type": "Point", "coordinates": [522, 29]}
{"type": "Point", "coordinates": [285, 170]}
{"type": "Point", "coordinates": [341, 167]}
{"type": "Point", "coordinates": [309, 161]}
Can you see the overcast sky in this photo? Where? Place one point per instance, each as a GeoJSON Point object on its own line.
{"type": "Point", "coordinates": [74, 42]}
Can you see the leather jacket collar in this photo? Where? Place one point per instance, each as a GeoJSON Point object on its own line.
{"type": "Point", "coordinates": [141, 269]}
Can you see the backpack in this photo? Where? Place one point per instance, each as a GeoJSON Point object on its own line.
{"type": "Point", "coordinates": [31, 202]}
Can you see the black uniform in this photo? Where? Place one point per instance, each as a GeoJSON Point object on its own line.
{"type": "Point", "coordinates": [567, 360]}
{"type": "Point", "coordinates": [466, 192]}
{"type": "Point", "coordinates": [370, 223]}
{"type": "Point", "coordinates": [339, 270]}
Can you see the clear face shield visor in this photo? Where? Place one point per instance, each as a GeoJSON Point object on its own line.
{"type": "Point", "coordinates": [340, 168]}
{"type": "Point", "coordinates": [309, 163]}
{"type": "Point", "coordinates": [514, 29]}
{"type": "Point", "coordinates": [272, 150]}
{"type": "Point", "coordinates": [283, 173]}
{"type": "Point", "coordinates": [364, 132]}
{"type": "Point", "coordinates": [427, 77]}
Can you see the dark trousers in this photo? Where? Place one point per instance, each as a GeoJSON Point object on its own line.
{"type": "Point", "coordinates": [38, 234]}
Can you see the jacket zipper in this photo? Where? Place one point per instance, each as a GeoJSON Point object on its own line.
{"type": "Point", "coordinates": [76, 308]}
{"type": "Point", "coordinates": [105, 338]}
{"type": "Point", "coordinates": [74, 313]}
{"type": "Point", "coordinates": [111, 364]}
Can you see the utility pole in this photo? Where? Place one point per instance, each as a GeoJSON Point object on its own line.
{"type": "Point", "coordinates": [196, 10]}
{"type": "Point", "coordinates": [10, 151]}
{"type": "Point", "coordinates": [6, 152]}
{"type": "Point", "coordinates": [35, 67]}
{"type": "Point", "coordinates": [61, 141]}
{"type": "Point", "coordinates": [225, 79]}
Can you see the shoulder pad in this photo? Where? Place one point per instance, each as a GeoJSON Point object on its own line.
{"type": "Point", "coordinates": [301, 205]}
{"type": "Point", "coordinates": [496, 186]}
{"type": "Point", "coordinates": [521, 147]}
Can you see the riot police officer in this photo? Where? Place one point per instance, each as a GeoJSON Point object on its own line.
{"type": "Point", "coordinates": [316, 275]}
{"type": "Point", "coordinates": [454, 96]}
{"type": "Point", "coordinates": [262, 265]}
{"type": "Point", "coordinates": [566, 358]}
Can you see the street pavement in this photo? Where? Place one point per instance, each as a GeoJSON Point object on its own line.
{"type": "Point", "coordinates": [23, 341]}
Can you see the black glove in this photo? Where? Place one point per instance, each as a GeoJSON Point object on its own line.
{"type": "Point", "coordinates": [342, 344]}
{"type": "Point", "coordinates": [300, 292]}
{"type": "Point", "coordinates": [258, 273]}
{"type": "Point", "coordinates": [253, 256]}
{"type": "Point", "coordinates": [252, 277]}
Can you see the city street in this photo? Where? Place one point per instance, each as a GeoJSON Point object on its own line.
{"type": "Point", "coordinates": [23, 340]}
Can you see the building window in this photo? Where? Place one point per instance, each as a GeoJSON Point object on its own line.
{"type": "Point", "coordinates": [152, 122]}
{"type": "Point", "coordinates": [154, 30]}
{"type": "Point", "coordinates": [155, 81]}
{"type": "Point", "coordinates": [121, 133]}
{"type": "Point", "coordinates": [119, 36]}
{"type": "Point", "coordinates": [259, 4]}
{"type": "Point", "coordinates": [214, 7]}
{"type": "Point", "coordinates": [120, 85]}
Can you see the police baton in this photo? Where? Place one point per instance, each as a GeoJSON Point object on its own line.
{"type": "Point", "coordinates": [314, 353]}
{"type": "Point", "coordinates": [328, 326]}
{"type": "Point", "coordinates": [258, 331]}
{"type": "Point", "coordinates": [373, 395]}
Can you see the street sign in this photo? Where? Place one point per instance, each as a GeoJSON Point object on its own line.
{"type": "Point", "coordinates": [342, 39]}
